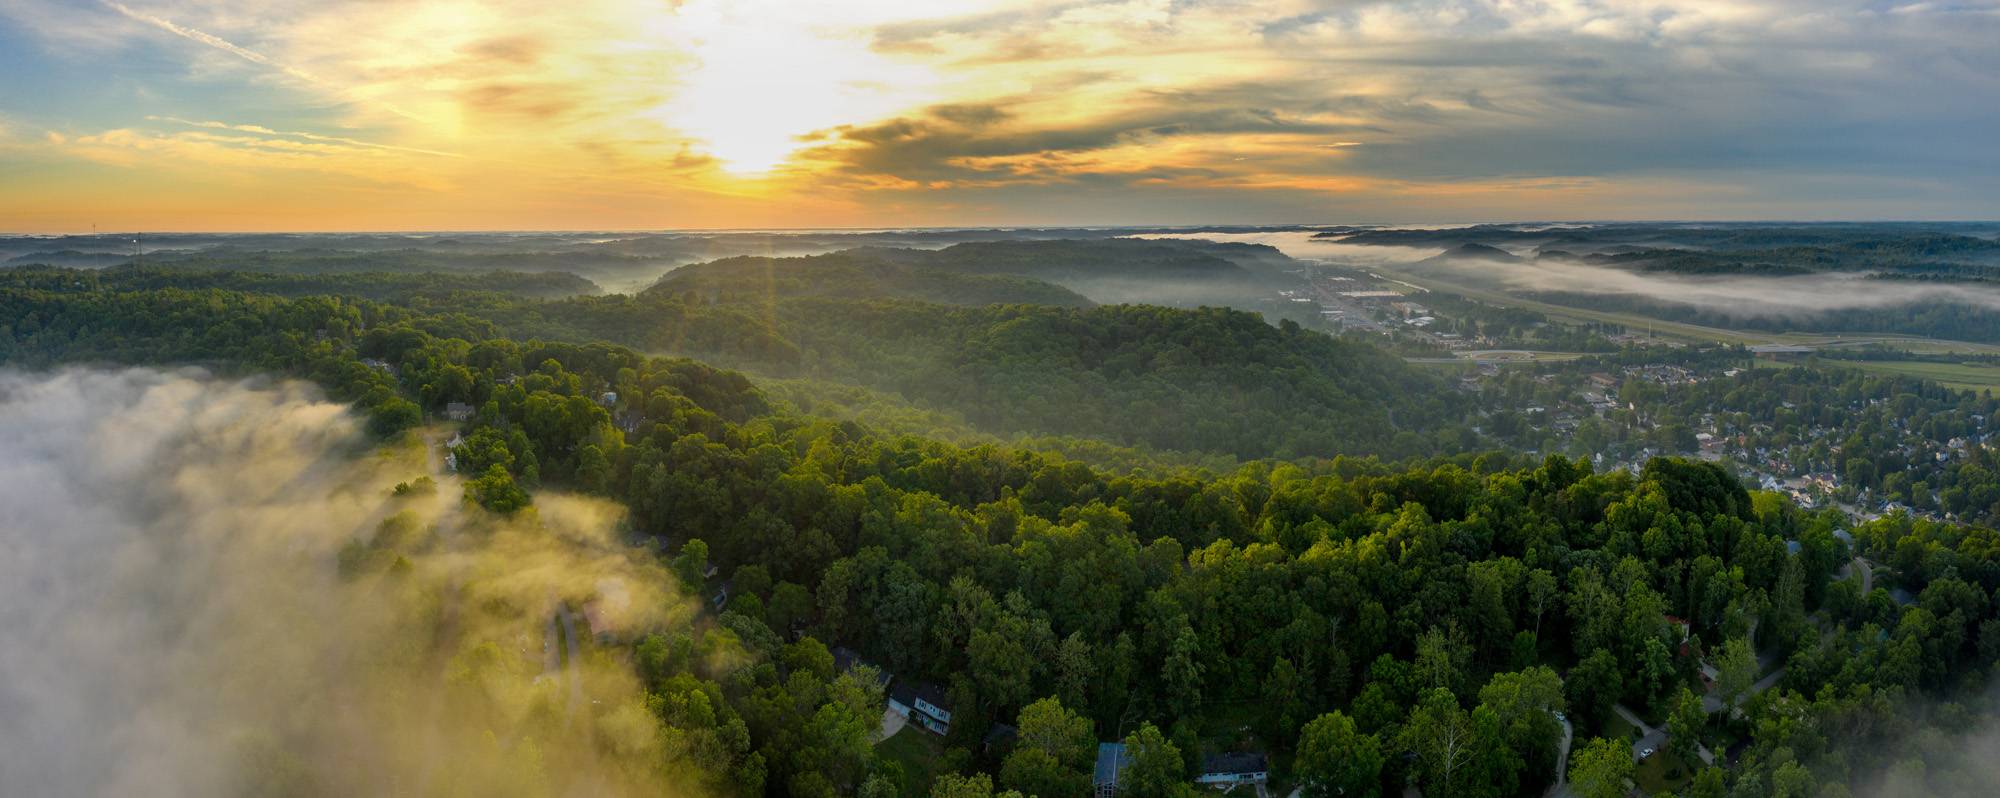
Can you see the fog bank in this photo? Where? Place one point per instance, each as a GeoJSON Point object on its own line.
{"type": "Point", "coordinates": [1789, 296]}
{"type": "Point", "coordinates": [208, 589]}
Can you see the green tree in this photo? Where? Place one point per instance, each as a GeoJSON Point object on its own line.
{"type": "Point", "coordinates": [495, 490]}
{"type": "Point", "coordinates": [1708, 783]}
{"type": "Point", "coordinates": [1594, 685]}
{"type": "Point", "coordinates": [1053, 751]}
{"type": "Point", "coordinates": [1525, 703]}
{"type": "Point", "coordinates": [1600, 768]}
{"type": "Point", "coordinates": [1441, 734]}
{"type": "Point", "coordinates": [1183, 673]}
{"type": "Point", "coordinates": [1684, 727]}
{"type": "Point", "coordinates": [1157, 769]}
{"type": "Point", "coordinates": [1735, 671]}
{"type": "Point", "coordinates": [1335, 758]}
{"type": "Point", "coordinates": [1283, 703]}
{"type": "Point", "coordinates": [976, 785]}
{"type": "Point", "coordinates": [691, 566]}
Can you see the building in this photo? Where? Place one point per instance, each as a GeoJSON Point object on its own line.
{"type": "Point", "coordinates": [923, 703]}
{"type": "Point", "coordinates": [1112, 760]}
{"type": "Point", "coordinates": [1780, 351]}
{"type": "Point", "coordinates": [1223, 770]}
{"type": "Point", "coordinates": [457, 411]}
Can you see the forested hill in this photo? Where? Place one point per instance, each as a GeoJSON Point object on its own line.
{"type": "Point", "coordinates": [1203, 379]}
{"type": "Point", "coordinates": [406, 287]}
{"type": "Point", "coordinates": [1448, 628]}
{"type": "Point", "coordinates": [855, 274]}
{"type": "Point", "coordinates": [1177, 272]}
{"type": "Point", "coordinates": [1083, 260]}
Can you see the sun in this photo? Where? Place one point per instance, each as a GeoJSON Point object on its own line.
{"type": "Point", "coordinates": [760, 85]}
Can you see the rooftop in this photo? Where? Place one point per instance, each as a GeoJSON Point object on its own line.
{"type": "Point", "coordinates": [1238, 762]}
{"type": "Point", "coordinates": [1111, 760]}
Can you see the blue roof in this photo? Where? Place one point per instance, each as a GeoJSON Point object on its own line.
{"type": "Point", "coordinates": [1111, 760]}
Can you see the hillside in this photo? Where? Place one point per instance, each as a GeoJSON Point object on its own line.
{"type": "Point", "coordinates": [854, 274]}
{"type": "Point", "coordinates": [1204, 379]}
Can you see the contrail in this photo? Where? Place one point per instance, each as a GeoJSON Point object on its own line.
{"type": "Point", "coordinates": [247, 54]}
{"type": "Point", "coordinates": [265, 131]}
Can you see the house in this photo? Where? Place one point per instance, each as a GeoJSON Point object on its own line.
{"type": "Point", "coordinates": [921, 702]}
{"type": "Point", "coordinates": [608, 398]}
{"type": "Point", "coordinates": [1223, 770]}
{"type": "Point", "coordinates": [1112, 760]}
{"type": "Point", "coordinates": [457, 411]}
{"type": "Point", "coordinates": [1779, 351]}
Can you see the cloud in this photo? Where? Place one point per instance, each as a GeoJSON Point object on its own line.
{"type": "Point", "coordinates": [845, 113]}
{"type": "Point", "coordinates": [211, 40]}
{"type": "Point", "coordinates": [248, 152]}
{"type": "Point", "coordinates": [265, 131]}
{"type": "Point", "coordinates": [179, 625]}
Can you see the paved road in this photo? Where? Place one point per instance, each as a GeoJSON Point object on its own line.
{"type": "Point", "coordinates": [1560, 789]}
{"type": "Point", "coordinates": [1867, 574]}
{"type": "Point", "coordinates": [551, 650]}
{"type": "Point", "coordinates": [575, 670]}
{"type": "Point", "coordinates": [1711, 705]}
{"type": "Point", "coordinates": [1655, 739]}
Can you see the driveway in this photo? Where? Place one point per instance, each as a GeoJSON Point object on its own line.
{"type": "Point", "coordinates": [891, 723]}
{"type": "Point", "coordinates": [1560, 789]}
{"type": "Point", "coordinates": [1655, 739]}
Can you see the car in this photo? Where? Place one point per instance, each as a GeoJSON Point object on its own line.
{"type": "Point", "coordinates": [1645, 752]}
{"type": "Point", "coordinates": [1562, 718]}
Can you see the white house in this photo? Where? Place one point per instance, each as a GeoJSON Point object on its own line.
{"type": "Point", "coordinates": [1222, 770]}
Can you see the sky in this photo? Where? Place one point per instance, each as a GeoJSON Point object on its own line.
{"type": "Point", "coordinates": [223, 115]}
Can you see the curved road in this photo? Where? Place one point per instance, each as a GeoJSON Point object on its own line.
{"type": "Point", "coordinates": [1560, 789]}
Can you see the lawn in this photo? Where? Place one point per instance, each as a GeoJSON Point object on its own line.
{"type": "Point", "coordinates": [1651, 773]}
{"type": "Point", "coordinates": [1963, 376]}
{"type": "Point", "coordinates": [1617, 728]}
{"type": "Point", "coordinates": [917, 751]}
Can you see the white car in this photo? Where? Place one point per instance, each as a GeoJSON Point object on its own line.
{"type": "Point", "coordinates": [1645, 752]}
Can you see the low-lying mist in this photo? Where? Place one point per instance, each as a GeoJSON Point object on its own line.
{"type": "Point", "coordinates": [1790, 296]}
{"type": "Point", "coordinates": [209, 588]}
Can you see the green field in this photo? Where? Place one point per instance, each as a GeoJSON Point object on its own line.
{"type": "Point", "coordinates": [1964, 376]}
{"type": "Point", "coordinates": [1661, 772]}
{"type": "Point", "coordinates": [917, 752]}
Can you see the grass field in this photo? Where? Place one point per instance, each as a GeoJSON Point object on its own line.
{"type": "Point", "coordinates": [1964, 376]}
{"type": "Point", "coordinates": [917, 751]}
{"type": "Point", "coordinates": [1652, 774]}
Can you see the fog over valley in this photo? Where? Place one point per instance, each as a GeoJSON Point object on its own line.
{"type": "Point", "coordinates": [210, 590]}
